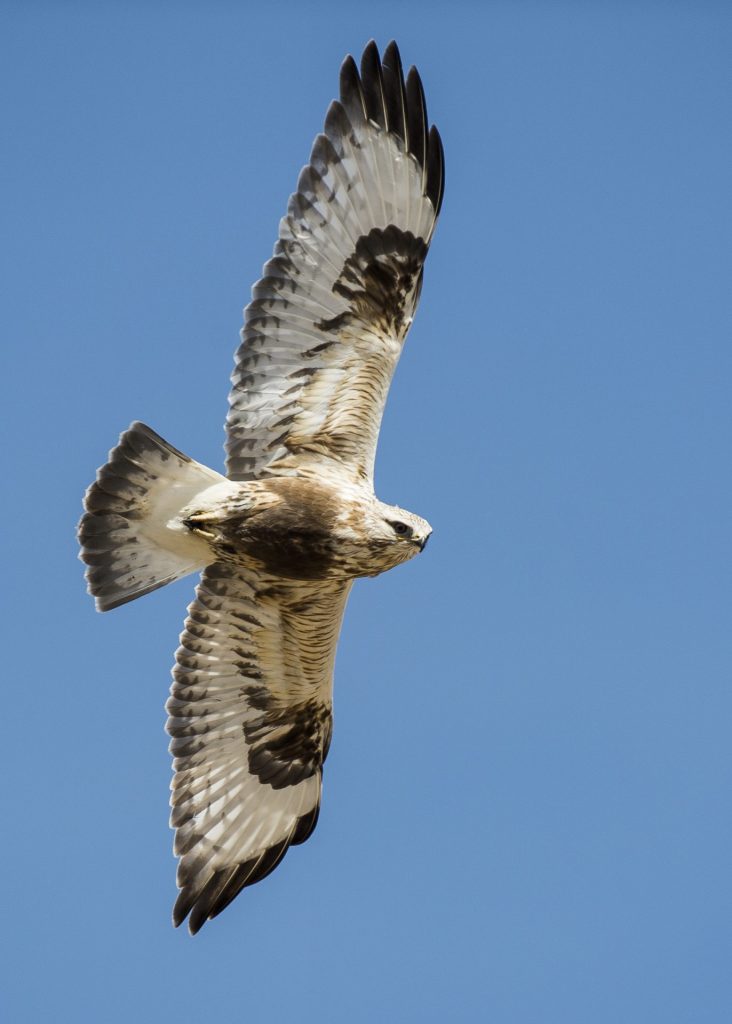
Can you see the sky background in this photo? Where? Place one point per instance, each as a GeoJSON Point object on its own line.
{"type": "Point", "coordinates": [526, 815]}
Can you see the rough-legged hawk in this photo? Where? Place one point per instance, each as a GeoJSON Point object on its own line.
{"type": "Point", "coordinates": [282, 536]}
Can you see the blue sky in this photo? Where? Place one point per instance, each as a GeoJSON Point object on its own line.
{"type": "Point", "coordinates": [527, 803]}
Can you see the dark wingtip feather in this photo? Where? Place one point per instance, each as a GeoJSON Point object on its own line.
{"type": "Point", "coordinates": [416, 116]}
{"type": "Point", "coordinates": [395, 97]}
{"type": "Point", "coordinates": [351, 92]}
{"type": "Point", "coordinates": [435, 187]}
{"type": "Point", "coordinates": [182, 907]}
{"type": "Point", "coordinates": [373, 85]}
{"type": "Point", "coordinates": [201, 909]}
{"type": "Point", "coordinates": [392, 55]}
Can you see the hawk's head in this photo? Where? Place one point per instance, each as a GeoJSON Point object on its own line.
{"type": "Point", "coordinates": [394, 535]}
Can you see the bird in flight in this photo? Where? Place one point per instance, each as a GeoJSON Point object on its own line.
{"type": "Point", "coordinates": [281, 538]}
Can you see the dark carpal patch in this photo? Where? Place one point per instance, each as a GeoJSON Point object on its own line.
{"type": "Point", "coordinates": [286, 744]}
{"type": "Point", "coordinates": [381, 281]}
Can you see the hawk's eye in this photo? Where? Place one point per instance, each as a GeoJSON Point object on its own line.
{"type": "Point", "coordinates": [401, 529]}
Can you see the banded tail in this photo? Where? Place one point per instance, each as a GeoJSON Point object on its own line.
{"type": "Point", "coordinates": [132, 537]}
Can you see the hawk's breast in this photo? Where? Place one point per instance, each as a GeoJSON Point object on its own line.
{"type": "Point", "coordinates": [294, 538]}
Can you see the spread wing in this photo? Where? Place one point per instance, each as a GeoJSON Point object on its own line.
{"type": "Point", "coordinates": [250, 717]}
{"type": "Point", "coordinates": [325, 328]}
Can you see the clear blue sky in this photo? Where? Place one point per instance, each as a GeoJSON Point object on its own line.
{"type": "Point", "coordinates": [526, 816]}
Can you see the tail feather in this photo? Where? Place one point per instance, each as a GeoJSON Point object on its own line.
{"type": "Point", "coordinates": [130, 536]}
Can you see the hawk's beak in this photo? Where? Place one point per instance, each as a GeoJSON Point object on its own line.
{"type": "Point", "coordinates": [423, 542]}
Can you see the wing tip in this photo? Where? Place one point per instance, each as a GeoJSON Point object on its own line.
{"type": "Point", "coordinates": [380, 93]}
{"type": "Point", "coordinates": [202, 901]}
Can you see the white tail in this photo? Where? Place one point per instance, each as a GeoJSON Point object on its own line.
{"type": "Point", "coordinates": [130, 537]}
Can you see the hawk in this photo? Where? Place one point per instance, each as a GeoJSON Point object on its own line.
{"type": "Point", "coordinates": [281, 538]}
